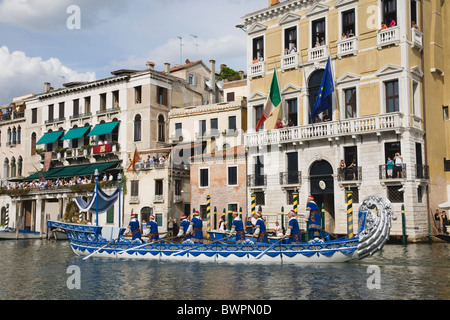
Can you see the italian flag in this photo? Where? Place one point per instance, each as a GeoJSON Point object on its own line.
{"type": "Point", "coordinates": [273, 100]}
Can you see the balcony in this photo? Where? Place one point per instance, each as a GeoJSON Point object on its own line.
{"type": "Point", "coordinates": [395, 174]}
{"type": "Point", "coordinates": [387, 37]}
{"type": "Point", "coordinates": [347, 46]}
{"type": "Point", "coordinates": [258, 180]}
{"type": "Point", "coordinates": [327, 130]}
{"type": "Point", "coordinates": [422, 171]}
{"type": "Point", "coordinates": [53, 121]}
{"type": "Point", "coordinates": [318, 53]}
{"type": "Point", "coordinates": [289, 61]}
{"type": "Point", "coordinates": [206, 135]}
{"type": "Point", "coordinates": [178, 198]}
{"type": "Point", "coordinates": [416, 38]}
{"type": "Point", "coordinates": [134, 200]}
{"type": "Point", "coordinates": [108, 111]}
{"type": "Point", "coordinates": [81, 116]}
{"type": "Point", "coordinates": [257, 70]}
{"type": "Point", "coordinates": [350, 174]}
{"type": "Point", "coordinates": [290, 178]}
{"type": "Point", "coordinates": [159, 198]}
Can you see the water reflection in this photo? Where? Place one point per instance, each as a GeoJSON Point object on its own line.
{"type": "Point", "coordinates": [38, 270]}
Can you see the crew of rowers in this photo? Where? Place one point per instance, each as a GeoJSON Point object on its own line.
{"type": "Point", "coordinates": [193, 230]}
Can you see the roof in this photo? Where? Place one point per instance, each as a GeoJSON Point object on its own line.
{"type": "Point", "coordinates": [187, 65]}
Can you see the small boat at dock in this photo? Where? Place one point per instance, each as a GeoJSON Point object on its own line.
{"type": "Point", "coordinates": [19, 234]}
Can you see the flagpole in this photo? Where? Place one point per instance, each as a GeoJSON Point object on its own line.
{"type": "Point", "coordinates": [334, 82]}
{"type": "Point", "coordinates": [306, 87]}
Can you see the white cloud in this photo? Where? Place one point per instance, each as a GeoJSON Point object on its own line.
{"type": "Point", "coordinates": [22, 75]}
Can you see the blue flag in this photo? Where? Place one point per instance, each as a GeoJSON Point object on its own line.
{"type": "Point", "coordinates": [323, 101]}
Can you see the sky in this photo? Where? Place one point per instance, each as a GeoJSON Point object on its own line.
{"type": "Point", "coordinates": [60, 41]}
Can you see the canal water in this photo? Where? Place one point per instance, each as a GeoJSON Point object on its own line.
{"type": "Point", "coordinates": [43, 269]}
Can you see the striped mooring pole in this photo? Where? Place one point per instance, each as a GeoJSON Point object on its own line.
{"type": "Point", "coordinates": [208, 213]}
{"type": "Point", "coordinates": [282, 219]}
{"type": "Point", "coordinates": [253, 204]}
{"type": "Point", "coordinates": [7, 216]}
{"type": "Point", "coordinates": [240, 213]}
{"type": "Point", "coordinates": [349, 213]}
{"type": "Point", "coordinates": [295, 200]}
{"type": "Point", "coordinates": [403, 225]}
{"type": "Point", "coordinates": [215, 217]}
{"type": "Point", "coordinates": [322, 219]}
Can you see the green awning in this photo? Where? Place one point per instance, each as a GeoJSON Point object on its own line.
{"type": "Point", "coordinates": [75, 133]}
{"type": "Point", "coordinates": [103, 128]}
{"type": "Point", "coordinates": [35, 176]}
{"type": "Point", "coordinates": [50, 137]}
{"type": "Point", "coordinates": [82, 170]}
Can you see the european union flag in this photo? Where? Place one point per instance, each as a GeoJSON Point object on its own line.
{"type": "Point", "coordinates": [323, 101]}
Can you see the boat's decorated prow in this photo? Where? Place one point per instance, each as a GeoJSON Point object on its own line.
{"type": "Point", "coordinates": [375, 216]}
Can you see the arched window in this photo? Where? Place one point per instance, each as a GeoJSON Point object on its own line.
{"type": "Point", "coordinates": [19, 135]}
{"type": "Point", "coordinates": [33, 143]}
{"type": "Point", "coordinates": [19, 166]}
{"type": "Point", "coordinates": [86, 138]}
{"type": "Point", "coordinates": [161, 129]}
{"type": "Point", "coordinates": [137, 128]}
{"type": "Point", "coordinates": [313, 89]}
{"type": "Point", "coordinates": [14, 135]}
{"type": "Point", "coordinates": [13, 167]}
{"type": "Point", "coordinates": [6, 169]}
{"type": "Point", "coordinates": [8, 137]}
{"type": "Point", "coordinates": [115, 132]}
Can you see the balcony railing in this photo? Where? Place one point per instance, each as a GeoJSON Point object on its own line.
{"type": "Point", "coordinates": [389, 36]}
{"type": "Point", "coordinates": [81, 115]}
{"type": "Point", "coordinates": [318, 53]}
{"type": "Point", "coordinates": [323, 130]}
{"type": "Point", "coordinates": [422, 171]}
{"type": "Point", "coordinates": [51, 121]}
{"type": "Point", "coordinates": [257, 70]}
{"type": "Point", "coordinates": [347, 46]}
{"type": "Point", "coordinates": [290, 177]}
{"type": "Point", "coordinates": [159, 198]}
{"type": "Point", "coordinates": [350, 174]}
{"type": "Point", "coordinates": [256, 180]}
{"type": "Point", "coordinates": [289, 61]}
{"type": "Point", "coordinates": [416, 38]}
{"type": "Point", "coordinates": [106, 111]}
{"type": "Point", "coordinates": [395, 173]}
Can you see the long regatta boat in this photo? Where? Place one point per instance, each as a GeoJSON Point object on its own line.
{"type": "Point", "coordinates": [374, 216]}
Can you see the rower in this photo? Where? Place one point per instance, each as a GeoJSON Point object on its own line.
{"type": "Point", "coordinates": [134, 227]}
{"type": "Point", "coordinates": [153, 226]}
{"type": "Point", "coordinates": [313, 216]}
{"type": "Point", "coordinates": [184, 225]}
{"type": "Point", "coordinates": [237, 228]}
{"type": "Point", "coordinates": [293, 230]}
{"type": "Point", "coordinates": [260, 228]}
{"type": "Point", "coordinates": [196, 228]}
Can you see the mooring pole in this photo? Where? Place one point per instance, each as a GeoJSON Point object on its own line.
{"type": "Point", "coordinates": [403, 225]}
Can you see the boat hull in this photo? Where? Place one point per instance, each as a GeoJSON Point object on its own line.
{"type": "Point", "coordinates": [11, 234]}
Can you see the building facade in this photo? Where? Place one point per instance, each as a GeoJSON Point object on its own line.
{"type": "Point", "coordinates": [375, 51]}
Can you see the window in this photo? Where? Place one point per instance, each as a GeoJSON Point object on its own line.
{"type": "Point", "coordinates": [110, 215]}
{"type": "Point", "coordinates": [445, 111]}
{"type": "Point", "coordinates": [259, 170]}
{"type": "Point", "coordinates": [204, 177]}
{"type": "Point", "coordinates": [159, 219]}
{"type": "Point", "coordinates": [392, 97]}
{"type": "Point", "coordinates": [134, 188]}
{"type": "Point", "coordinates": [192, 79]}
{"type": "Point", "coordinates": [50, 112]}
{"type": "Point", "coordinates": [137, 128]}
{"type": "Point", "coordinates": [115, 100]}
{"type": "Point", "coordinates": [413, 12]}
{"type": "Point", "coordinates": [232, 176]}
{"type": "Point", "coordinates": [162, 96]}
{"type": "Point", "coordinates": [159, 187]}
{"type": "Point", "coordinates": [178, 130]}
{"type": "Point", "coordinates": [33, 143]}
{"type": "Point", "coordinates": [87, 104]}
{"type": "Point", "coordinates": [447, 165]}
{"type": "Point", "coordinates": [103, 101]}
{"type": "Point", "coordinates": [350, 103]}
{"type": "Point", "coordinates": [355, 195]}
{"type": "Point", "coordinates": [258, 112]}
{"type": "Point", "coordinates": [258, 48]}
{"type": "Point", "coordinates": [292, 112]}
{"type": "Point", "coordinates": [232, 122]}
{"type": "Point", "coordinates": [138, 94]}
{"type": "Point", "coordinates": [161, 129]}
{"type": "Point", "coordinates": [61, 110]}
{"type": "Point", "coordinates": [290, 40]}
{"type": "Point", "coordinates": [348, 23]}
{"type": "Point", "coordinates": [178, 187]}
{"type": "Point", "coordinates": [76, 107]}
{"type": "Point", "coordinates": [260, 199]}
{"type": "Point", "coordinates": [419, 194]}
{"type": "Point", "coordinates": [230, 96]}
{"type": "Point", "coordinates": [389, 11]}
{"type": "Point", "coordinates": [214, 125]}
{"type": "Point", "coordinates": [415, 98]}
{"type": "Point", "coordinates": [394, 195]}
{"type": "Point", "coordinates": [202, 127]}
{"type": "Point", "coordinates": [34, 115]}
{"type": "Point", "coordinates": [203, 212]}
{"type": "Point", "coordinates": [318, 33]}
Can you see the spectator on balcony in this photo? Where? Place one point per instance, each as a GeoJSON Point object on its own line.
{"type": "Point", "coordinates": [261, 58]}
{"type": "Point", "coordinates": [279, 124]}
{"type": "Point", "coordinates": [392, 24]}
{"type": "Point", "coordinates": [100, 142]}
{"type": "Point", "coordinates": [285, 123]}
{"type": "Point", "coordinates": [398, 165]}
{"type": "Point", "coordinates": [326, 118]}
{"type": "Point", "coordinates": [286, 51]}
{"type": "Point", "coordinates": [383, 26]}
{"type": "Point", "coordinates": [317, 119]}
{"type": "Point", "coordinates": [414, 25]}
{"type": "Point", "coordinates": [389, 167]}
{"type": "Point", "coordinates": [353, 167]}
{"type": "Point", "coordinates": [344, 36]}
{"type": "Point", "coordinates": [293, 50]}
{"type": "Point", "coordinates": [255, 60]}
{"type": "Point", "coordinates": [317, 44]}
{"type": "Point", "coordinates": [341, 169]}
{"type": "Point", "coordinates": [110, 177]}
{"type": "Point", "coordinates": [351, 34]}
{"type": "Point", "coordinates": [437, 221]}
{"type": "Point", "coordinates": [290, 123]}
{"type": "Point", "coordinates": [105, 178]}
{"type": "Point", "coordinates": [322, 41]}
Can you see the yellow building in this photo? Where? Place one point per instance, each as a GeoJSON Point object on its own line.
{"type": "Point", "coordinates": [375, 48]}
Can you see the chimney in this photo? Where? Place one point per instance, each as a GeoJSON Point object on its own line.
{"type": "Point", "coordinates": [273, 2]}
{"type": "Point", "coordinates": [212, 66]}
{"type": "Point", "coordinates": [167, 67]}
{"type": "Point", "coordinates": [47, 87]}
{"type": "Point", "coordinates": [150, 65]}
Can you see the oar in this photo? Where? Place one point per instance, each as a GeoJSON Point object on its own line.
{"type": "Point", "coordinates": [200, 245]}
{"type": "Point", "coordinates": [141, 246]}
{"type": "Point", "coordinates": [264, 252]}
{"type": "Point", "coordinates": [88, 256]}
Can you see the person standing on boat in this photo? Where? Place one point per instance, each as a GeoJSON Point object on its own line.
{"type": "Point", "coordinates": [134, 227]}
{"type": "Point", "coordinates": [196, 228]}
{"type": "Point", "coordinates": [313, 216]}
{"type": "Point", "coordinates": [260, 228]}
{"type": "Point", "coordinates": [184, 225]}
{"type": "Point", "coordinates": [237, 228]}
{"type": "Point", "coordinates": [293, 230]}
{"type": "Point", "coordinates": [153, 226]}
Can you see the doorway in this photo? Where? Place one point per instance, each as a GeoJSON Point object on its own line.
{"type": "Point", "coordinates": [322, 189]}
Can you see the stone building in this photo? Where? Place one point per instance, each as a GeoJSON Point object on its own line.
{"type": "Point", "coordinates": [377, 107]}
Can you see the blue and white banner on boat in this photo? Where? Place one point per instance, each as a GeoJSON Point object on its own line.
{"type": "Point", "coordinates": [104, 201]}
